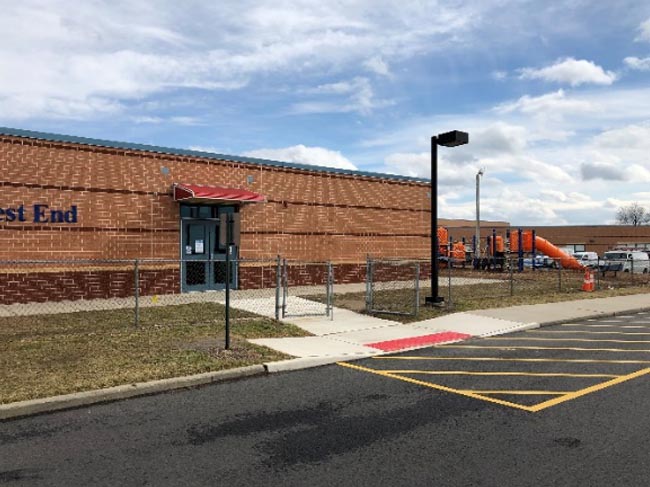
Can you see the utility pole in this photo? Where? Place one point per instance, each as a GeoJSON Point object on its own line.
{"type": "Point", "coordinates": [477, 250]}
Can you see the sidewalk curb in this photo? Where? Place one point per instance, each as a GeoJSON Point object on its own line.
{"type": "Point", "coordinates": [309, 362]}
{"type": "Point", "coordinates": [68, 401]}
{"type": "Point", "coordinates": [595, 316]}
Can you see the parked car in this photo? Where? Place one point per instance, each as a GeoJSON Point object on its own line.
{"type": "Point", "coordinates": [587, 259]}
{"type": "Point", "coordinates": [541, 261]}
{"type": "Point", "coordinates": [635, 262]}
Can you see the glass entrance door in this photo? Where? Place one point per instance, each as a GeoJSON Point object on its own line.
{"type": "Point", "coordinates": [204, 256]}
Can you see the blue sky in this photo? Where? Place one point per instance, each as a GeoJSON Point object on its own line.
{"type": "Point", "coordinates": [555, 95]}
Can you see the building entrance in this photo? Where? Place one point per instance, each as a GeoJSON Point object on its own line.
{"type": "Point", "coordinates": [203, 248]}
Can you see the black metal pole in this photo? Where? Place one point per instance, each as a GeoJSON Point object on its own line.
{"type": "Point", "coordinates": [434, 299]}
{"type": "Point", "coordinates": [228, 240]}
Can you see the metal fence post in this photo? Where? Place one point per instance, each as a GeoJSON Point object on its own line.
{"type": "Point", "coordinates": [278, 283]}
{"type": "Point", "coordinates": [136, 284]}
{"type": "Point", "coordinates": [227, 345]}
{"type": "Point", "coordinates": [370, 283]}
{"type": "Point", "coordinates": [285, 287]}
{"type": "Point", "coordinates": [417, 288]}
{"type": "Point", "coordinates": [559, 274]}
{"type": "Point", "coordinates": [368, 290]}
{"type": "Point", "coordinates": [512, 280]}
{"type": "Point", "coordinates": [330, 290]}
{"type": "Point", "coordinates": [598, 273]}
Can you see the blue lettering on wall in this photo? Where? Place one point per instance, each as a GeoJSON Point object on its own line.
{"type": "Point", "coordinates": [40, 213]}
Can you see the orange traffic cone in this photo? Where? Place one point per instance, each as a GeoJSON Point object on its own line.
{"type": "Point", "coordinates": [588, 283]}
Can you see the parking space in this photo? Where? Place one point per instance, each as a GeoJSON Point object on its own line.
{"type": "Point", "coordinates": [531, 370]}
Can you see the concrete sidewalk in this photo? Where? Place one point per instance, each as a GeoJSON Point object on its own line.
{"type": "Point", "coordinates": [351, 335]}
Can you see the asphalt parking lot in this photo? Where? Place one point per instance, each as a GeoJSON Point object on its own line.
{"type": "Point", "coordinates": [531, 370]}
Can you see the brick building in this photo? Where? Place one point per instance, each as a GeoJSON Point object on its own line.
{"type": "Point", "coordinates": [82, 199]}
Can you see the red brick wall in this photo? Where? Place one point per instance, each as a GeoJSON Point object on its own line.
{"type": "Point", "coordinates": [126, 211]}
{"type": "Point", "coordinates": [38, 286]}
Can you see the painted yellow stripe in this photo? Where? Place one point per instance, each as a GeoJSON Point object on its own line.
{"type": "Point", "coordinates": [521, 393]}
{"type": "Point", "coordinates": [573, 349]}
{"type": "Point", "coordinates": [499, 359]}
{"type": "Point", "coordinates": [590, 332]}
{"type": "Point", "coordinates": [436, 386]}
{"type": "Point", "coordinates": [523, 374]}
{"type": "Point", "coordinates": [587, 390]}
{"type": "Point", "coordinates": [603, 340]}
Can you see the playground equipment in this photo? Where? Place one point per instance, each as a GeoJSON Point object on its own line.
{"type": "Point", "coordinates": [527, 241]}
{"type": "Point", "coordinates": [520, 242]}
{"type": "Point", "coordinates": [449, 251]}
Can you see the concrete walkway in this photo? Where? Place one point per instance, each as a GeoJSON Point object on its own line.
{"type": "Point", "coordinates": [351, 335]}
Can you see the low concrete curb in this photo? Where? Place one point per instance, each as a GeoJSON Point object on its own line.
{"type": "Point", "coordinates": [310, 362]}
{"type": "Point", "coordinates": [67, 401]}
{"type": "Point", "coordinates": [593, 316]}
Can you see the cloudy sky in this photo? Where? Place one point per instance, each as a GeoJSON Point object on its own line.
{"type": "Point", "coordinates": [555, 94]}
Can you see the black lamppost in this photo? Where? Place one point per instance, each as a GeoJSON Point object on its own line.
{"type": "Point", "coordinates": [448, 139]}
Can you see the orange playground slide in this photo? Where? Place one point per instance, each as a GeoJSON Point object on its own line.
{"type": "Point", "coordinates": [543, 246]}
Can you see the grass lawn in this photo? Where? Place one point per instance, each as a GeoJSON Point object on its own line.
{"type": "Point", "coordinates": [46, 355]}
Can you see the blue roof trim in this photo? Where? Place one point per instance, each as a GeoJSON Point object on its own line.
{"type": "Point", "coordinates": [206, 155]}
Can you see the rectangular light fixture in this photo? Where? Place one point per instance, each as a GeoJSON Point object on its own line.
{"type": "Point", "coordinates": [453, 138]}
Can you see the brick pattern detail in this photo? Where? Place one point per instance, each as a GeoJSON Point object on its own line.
{"type": "Point", "coordinates": [126, 211]}
{"type": "Point", "coordinates": [43, 287]}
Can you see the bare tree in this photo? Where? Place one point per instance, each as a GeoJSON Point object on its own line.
{"type": "Point", "coordinates": [633, 214]}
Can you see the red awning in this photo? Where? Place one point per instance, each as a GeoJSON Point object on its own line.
{"type": "Point", "coordinates": [200, 193]}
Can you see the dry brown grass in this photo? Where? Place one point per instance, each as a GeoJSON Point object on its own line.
{"type": "Point", "coordinates": [47, 355]}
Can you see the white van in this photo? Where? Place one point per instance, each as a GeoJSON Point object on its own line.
{"type": "Point", "coordinates": [587, 259]}
{"type": "Point", "coordinates": [630, 260]}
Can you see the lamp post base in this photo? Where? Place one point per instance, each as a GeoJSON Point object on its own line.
{"type": "Point", "coordinates": [434, 301]}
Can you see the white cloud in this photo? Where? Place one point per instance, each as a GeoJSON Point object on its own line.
{"type": "Point", "coordinates": [94, 55]}
{"type": "Point", "coordinates": [571, 71]}
{"type": "Point", "coordinates": [644, 31]}
{"type": "Point", "coordinates": [355, 95]}
{"type": "Point", "coordinates": [640, 64]}
{"type": "Point", "coordinates": [556, 102]}
{"type": "Point", "coordinates": [301, 154]}
{"type": "Point", "coordinates": [377, 65]}
{"type": "Point", "coordinates": [419, 165]}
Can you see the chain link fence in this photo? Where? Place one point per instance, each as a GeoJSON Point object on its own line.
{"type": "Point", "coordinates": [307, 288]}
{"type": "Point", "coordinates": [392, 288]}
{"type": "Point", "coordinates": [144, 289]}
{"type": "Point", "coordinates": [157, 290]}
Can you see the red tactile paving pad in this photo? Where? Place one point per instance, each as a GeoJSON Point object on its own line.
{"type": "Point", "coordinates": [411, 342]}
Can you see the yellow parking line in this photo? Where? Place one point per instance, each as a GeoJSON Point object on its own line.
{"type": "Point", "coordinates": [436, 386]}
{"type": "Point", "coordinates": [590, 332]}
{"type": "Point", "coordinates": [521, 393]}
{"type": "Point", "coordinates": [499, 359]}
{"type": "Point", "coordinates": [588, 390]}
{"type": "Point", "coordinates": [574, 349]}
{"type": "Point", "coordinates": [569, 340]}
{"type": "Point", "coordinates": [523, 374]}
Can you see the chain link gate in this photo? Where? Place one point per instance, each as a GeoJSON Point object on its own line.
{"type": "Point", "coordinates": [307, 289]}
{"type": "Point", "coordinates": [392, 287]}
